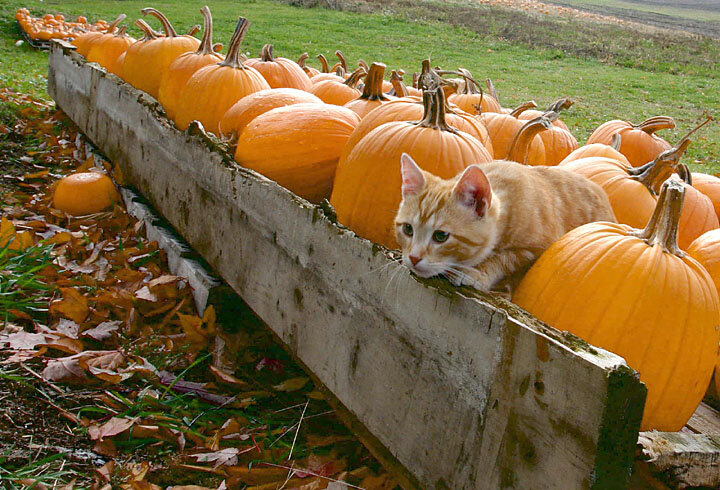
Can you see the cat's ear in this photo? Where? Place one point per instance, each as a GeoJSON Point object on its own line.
{"type": "Point", "coordinates": [473, 190]}
{"type": "Point", "coordinates": [413, 181]}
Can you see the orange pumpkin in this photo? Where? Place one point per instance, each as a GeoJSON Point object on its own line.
{"type": "Point", "coordinates": [505, 131]}
{"type": "Point", "coordinates": [213, 89]}
{"type": "Point", "coordinates": [251, 106]}
{"type": "Point", "coordinates": [107, 49]}
{"type": "Point", "coordinates": [632, 191]}
{"type": "Point", "coordinates": [366, 192]}
{"type": "Point", "coordinates": [709, 185]}
{"type": "Point", "coordinates": [635, 293]}
{"type": "Point", "coordinates": [372, 95]}
{"type": "Point", "coordinates": [85, 42]}
{"type": "Point", "coordinates": [557, 106]}
{"type": "Point", "coordinates": [275, 144]}
{"type": "Point", "coordinates": [471, 98]}
{"type": "Point", "coordinates": [132, 58]}
{"type": "Point", "coordinates": [185, 65]}
{"type": "Point", "coordinates": [598, 150]}
{"type": "Point", "coordinates": [639, 142]}
{"type": "Point", "coordinates": [117, 66]}
{"type": "Point", "coordinates": [279, 72]}
{"type": "Point", "coordinates": [84, 193]}
{"type": "Point", "coordinates": [338, 93]}
{"type": "Point", "coordinates": [158, 54]}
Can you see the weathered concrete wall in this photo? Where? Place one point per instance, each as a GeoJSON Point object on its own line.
{"type": "Point", "coordinates": [464, 391]}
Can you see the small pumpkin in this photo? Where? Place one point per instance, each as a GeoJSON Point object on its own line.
{"type": "Point", "coordinates": [471, 98]}
{"type": "Point", "coordinates": [279, 72]}
{"type": "Point", "coordinates": [251, 106]}
{"type": "Point", "coordinates": [213, 89]}
{"type": "Point", "coordinates": [84, 193]}
{"type": "Point", "coordinates": [635, 293]}
{"type": "Point", "coordinates": [185, 65]}
{"type": "Point", "coordinates": [275, 145]}
{"type": "Point", "coordinates": [372, 95]}
{"type": "Point", "coordinates": [84, 42]}
{"type": "Point", "coordinates": [366, 192]}
{"type": "Point", "coordinates": [338, 93]}
{"type": "Point", "coordinates": [639, 144]}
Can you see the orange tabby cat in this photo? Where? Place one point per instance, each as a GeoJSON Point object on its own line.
{"type": "Point", "coordinates": [490, 222]}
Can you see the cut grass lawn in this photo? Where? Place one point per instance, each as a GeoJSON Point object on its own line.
{"type": "Point", "coordinates": [602, 91]}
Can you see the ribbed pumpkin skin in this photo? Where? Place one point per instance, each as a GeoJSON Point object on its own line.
{"type": "Point", "coordinates": [281, 72]}
{"type": "Point", "coordinates": [706, 250]}
{"type": "Point", "coordinates": [595, 150]}
{"type": "Point", "coordinates": [469, 103]}
{"type": "Point", "coordinates": [321, 77]}
{"type": "Point", "coordinates": [118, 66]}
{"type": "Point", "coordinates": [106, 51]}
{"type": "Point", "coordinates": [411, 109]}
{"type": "Point", "coordinates": [558, 144]}
{"type": "Point", "coordinates": [638, 146]}
{"type": "Point", "coordinates": [533, 113]}
{"type": "Point", "coordinates": [709, 185]}
{"type": "Point", "coordinates": [298, 146]}
{"type": "Point", "coordinates": [84, 193]}
{"type": "Point", "coordinates": [657, 310]}
{"type": "Point", "coordinates": [211, 91]}
{"type": "Point", "coordinates": [633, 203]}
{"type": "Point", "coordinates": [148, 67]}
{"type": "Point", "coordinates": [251, 106]}
{"type": "Point", "coordinates": [502, 129]}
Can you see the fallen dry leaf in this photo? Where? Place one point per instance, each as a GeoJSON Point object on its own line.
{"type": "Point", "coordinates": [23, 340]}
{"type": "Point", "coordinates": [103, 331]}
{"type": "Point", "coordinates": [73, 305]}
{"type": "Point", "coordinates": [292, 384]}
{"type": "Point", "coordinates": [113, 427]}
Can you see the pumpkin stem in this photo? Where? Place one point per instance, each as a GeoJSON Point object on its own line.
{"type": "Point", "coordinates": [471, 86]}
{"type": "Point", "coordinates": [399, 88]}
{"type": "Point", "coordinates": [167, 27]}
{"type": "Point", "coordinates": [654, 173]}
{"type": "Point", "coordinates": [616, 142]}
{"type": "Point", "coordinates": [122, 32]}
{"type": "Point", "coordinates": [206, 44]}
{"type": "Point", "coordinates": [266, 54]}
{"type": "Point", "coordinates": [323, 64]}
{"type": "Point", "coordinates": [301, 60]}
{"type": "Point", "coordinates": [233, 58]}
{"type": "Point", "coordinates": [149, 33]}
{"type": "Point", "coordinates": [491, 89]}
{"type": "Point", "coordinates": [560, 105]}
{"type": "Point", "coordinates": [355, 77]}
{"type": "Point", "coordinates": [343, 61]}
{"type": "Point", "coordinates": [530, 104]}
{"type": "Point", "coordinates": [193, 30]}
{"type": "Point", "coordinates": [428, 78]}
{"type": "Point", "coordinates": [415, 78]}
{"type": "Point", "coordinates": [113, 24]}
{"type": "Point", "coordinates": [434, 104]}
{"type": "Point", "coordinates": [520, 147]}
{"type": "Point", "coordinates": [373, 83]}
{"type": "Point", "coordinates": [692, 131]}
{"type": "Point", "coordinates": [656, 123]}
{"type": "Point", "coordinates": [364, 64]}
{"type": "Point", "coordinates": [662, 229]}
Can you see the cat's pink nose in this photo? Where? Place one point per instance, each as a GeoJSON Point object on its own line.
{"type": "Point", "coordinates": [414, 259]}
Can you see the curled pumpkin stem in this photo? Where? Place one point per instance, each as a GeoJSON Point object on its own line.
{"type": "Point", "coordinates": [267, 53]}
{"type": "Point", "coordinates": [616, 142]}
{"type": "Point", "coordinates": [206, 44]}
{"type": "Point", "coordinates": [530, 104]}
{"type": "Point", "coordinates": [520, 147]}
{"type": "Point", "coordinates": [364, 64]}
{"type": "Point", "coordinates": [491, 89]}
{"type": "Point", "coordinates": [662, 229]}
{"type": "Point", "coordinates": [355, 77]}
{"type": "Point", "coordinates": [148, 32]}
{"type": "Point", "coordinates": [560, 105]}
{"type": "Point", "coordinates": [324, 67]}
{"type": "Point", "coordinates": [343, 61]}
{"type": "Point", "coordinates": [114, 24]}
{"type": "Point", "coordinates": [167, 26]}
{"type": "Point", "coordinates": [193, 30]}
{"type": "Point", "coordinates": [302, 59]}
{"type": "Point", "coordinates": [399, 88]}
{"type": "Point", "coordinates": [656, 123]}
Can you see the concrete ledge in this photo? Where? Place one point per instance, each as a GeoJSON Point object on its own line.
{"type": "Point", "coordinates": [455, 389]}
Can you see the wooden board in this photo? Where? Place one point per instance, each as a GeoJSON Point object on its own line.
{"type": "Point", "coordinates": [456, 389]}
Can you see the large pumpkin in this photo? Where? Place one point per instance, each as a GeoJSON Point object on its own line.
{"type": "Point", "coordinates": [185, 65]}
{"type": "Point", "coordinates": [709, 185]}
{"type": "Point", "coordinates": [145, 68]}
{"type": "Point", "coordinates": [639, 142]}
{"type": "Point", "coordinates": [251, 106]}
{"type": "Point", "coordinates": [279, 72]}
{"type": "Point", "coordinates": [298, 146]}
{"type": "Point", "coordinates": [213, 89]}
{"type": "Point", "coordinates": [635, 293]}
{"type": "Point", "coordinates": [598, 150]}
{"type": "Point", "coordinates": [366, 193]}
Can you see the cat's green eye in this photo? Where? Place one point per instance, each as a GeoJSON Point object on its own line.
{"type": "Point", "coordinates": [407, 229]}
{"type": "Point", "coordinates": [440, 236]}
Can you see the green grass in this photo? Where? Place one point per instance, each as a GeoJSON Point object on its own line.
{"type": "Point", "coordinates": [602, 91]}
{"type": "Point", "coordinates": [20, 286]}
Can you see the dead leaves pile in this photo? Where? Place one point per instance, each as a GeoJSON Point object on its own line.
{"type": "Point", "coordinates": [119, 324]}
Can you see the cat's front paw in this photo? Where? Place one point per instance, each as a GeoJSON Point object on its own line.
{"type": "Point", "coordinates": [476, 281]}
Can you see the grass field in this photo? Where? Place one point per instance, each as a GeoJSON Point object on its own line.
{"type": "Point", "coordinates": [603, 89]}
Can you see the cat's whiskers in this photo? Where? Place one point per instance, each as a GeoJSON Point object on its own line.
{"type": "Point", "coordinates": [384, 266]}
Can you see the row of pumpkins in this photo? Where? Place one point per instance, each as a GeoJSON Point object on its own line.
{"type": "Point", "coordinates": [631, 288]}
{"type": "Point", "coordinates": [55, 26]}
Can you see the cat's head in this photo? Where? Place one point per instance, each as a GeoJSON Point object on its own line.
{"type": "Point", "coordinates": [444, 226]}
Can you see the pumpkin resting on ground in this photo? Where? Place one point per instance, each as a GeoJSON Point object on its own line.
{"type": "Point", "coordinates": [639, 142]}
{"type": "Point", "coordinates": [84, 193]}
{"type": "Point", "coordinates": [298, 146]}
{"type": "Point", "coordinates": [634, 293]}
